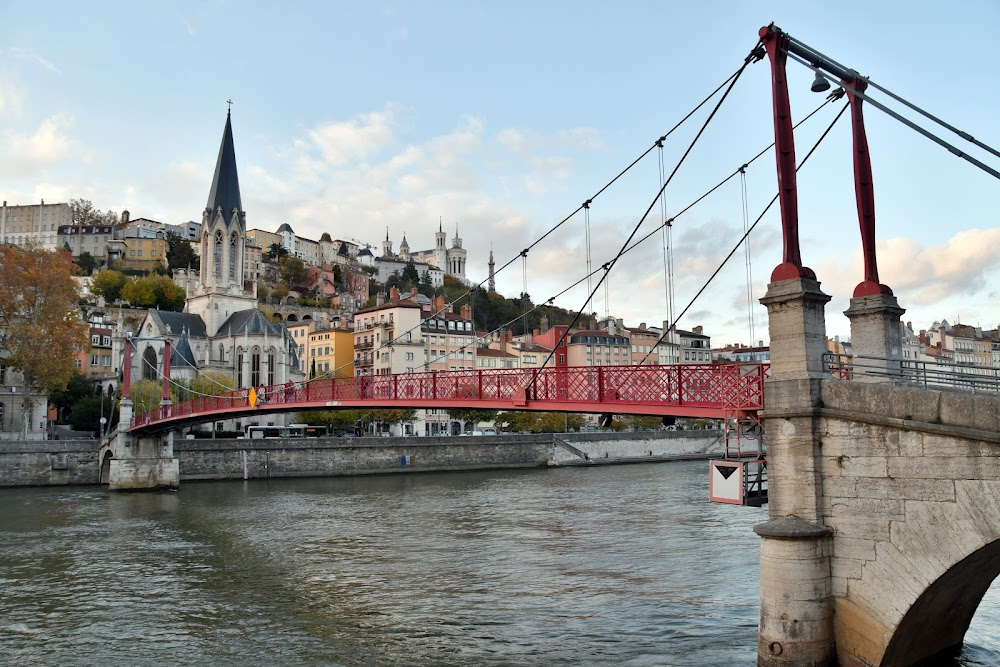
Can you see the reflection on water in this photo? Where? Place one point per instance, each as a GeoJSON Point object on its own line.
{"type": "Point", "coordinates": [625, 565]}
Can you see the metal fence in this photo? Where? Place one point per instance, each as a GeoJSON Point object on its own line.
{"type": "Point", "coordinates": [931, 374]}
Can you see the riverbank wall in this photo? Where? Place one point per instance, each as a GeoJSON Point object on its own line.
{"type": "Point", "coordinates": [75, 462]}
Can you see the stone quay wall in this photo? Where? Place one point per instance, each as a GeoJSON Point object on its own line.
{"type": "Point", "coordinates": [75, 462]}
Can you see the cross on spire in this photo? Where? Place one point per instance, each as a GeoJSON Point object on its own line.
{"type": "Point", "coordinates": [230, 103]}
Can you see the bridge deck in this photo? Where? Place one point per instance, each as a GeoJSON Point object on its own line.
{"type": "Point", "coordinates": [704, 390]}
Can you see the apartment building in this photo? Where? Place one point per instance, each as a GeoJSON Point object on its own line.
{"type": "Point", "coordinates": [34, 224]}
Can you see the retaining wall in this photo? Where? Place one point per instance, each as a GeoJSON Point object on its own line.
{"type": "Point", "coordinates": [75, 462]}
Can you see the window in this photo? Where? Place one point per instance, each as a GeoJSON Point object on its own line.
{"type": "Point", "coordinates": [106, 341]}
{"type": "Point", "coordinates": [93, 360]}
{"type": "Point", "coordinates": [95, 339]}
{"type": "Point", "coordinates": [106, 360]}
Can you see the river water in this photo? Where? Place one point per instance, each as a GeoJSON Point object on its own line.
{"type": "Point", "coordinates": [617, 565]}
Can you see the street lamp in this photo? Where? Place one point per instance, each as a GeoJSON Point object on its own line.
{"type": "Point", "coordinates": [103, 422]}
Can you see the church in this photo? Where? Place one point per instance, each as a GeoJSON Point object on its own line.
{"type": "Point", "coordinates": [221, 327]}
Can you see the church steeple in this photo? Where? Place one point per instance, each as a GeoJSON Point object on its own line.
{"type": "Point", "coordinates": [225, 191]}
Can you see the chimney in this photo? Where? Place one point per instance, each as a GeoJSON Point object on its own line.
{"type": "Point", "coordinates": [466, 311]}
{"type": "Point", "coordinates": [543, 322]}
{"type": "Point", "coordinates": [698, 329]}
{"type": "Point", "coordinates": [380, 299]}
{"type": "Point", "coordinates": [642, 326]}
{"type": "Point", "coordinates": [393, 294]}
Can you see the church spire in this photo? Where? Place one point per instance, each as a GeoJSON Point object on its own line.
{"type": "Point", "coordinates": [225, 192]}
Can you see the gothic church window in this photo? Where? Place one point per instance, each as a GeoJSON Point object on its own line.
{"type": "Point", "coordinates": [239, 368]}
{"type": "Point", "coordinates": [270, 366]}
{"type": "Point", "coordinates": [232, 258]}
{"type": "Point", "coordinates": [255, 367]}
{"type": "Point", "coordinates": [217, 256]}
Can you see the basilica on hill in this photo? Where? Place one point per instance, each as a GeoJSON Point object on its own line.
{"type": "Point", "coordinates": [221, 327]}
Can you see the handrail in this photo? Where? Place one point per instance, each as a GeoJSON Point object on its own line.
{"type": "Point", "coordinates": [936, 374]}
{"type": "Point", "coordinates": [709, 386]}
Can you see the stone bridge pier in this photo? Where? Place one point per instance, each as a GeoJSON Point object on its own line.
{"type": "Point", "coordinates": [884, 501]}
{"type": "Point", "coordinates": [139, 463]}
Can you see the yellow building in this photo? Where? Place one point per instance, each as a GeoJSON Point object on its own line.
{"type": "Point", "coordinates": [329, 352]}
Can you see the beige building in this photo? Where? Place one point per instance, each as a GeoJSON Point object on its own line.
{"type": "Point", "coordinates": [375, 327]}
{"type": "Point", "coordinates": [34, 224]}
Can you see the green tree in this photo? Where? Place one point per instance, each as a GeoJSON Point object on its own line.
{"type": "Point", "coordinates": [77, 388]}
{"type": "Point", "coordinates": [87, 413]}
{"type": "Point", "coordinates": [291, 271]}
{"type": "Point", "coordinates": [279, 292]}
{"type": "Point", "coordinates": [410, 276]}
{"type": "Point", "coordinates": [275, 252]}
{"type": "Point", "coordinates": [108, 284]}
{"type": "Point", "coordinates": [86, 262]}
{"type": "Point", "coordinates": [343, 251]}
{"type": "Point", "coordinates": [146, 395]}
{"type": "Point", "coordinates": [39, 335]}
{"type": "Point", "coordinates": [180, 253]}
{"type": "Point", "coordinates": [333, 419]}
{"type": "Point", "coordinates": [540, 422]}
{"type": "Point", "coordinates": [425, 286]}
{"type": "Point", "coordinates": [139, 292]}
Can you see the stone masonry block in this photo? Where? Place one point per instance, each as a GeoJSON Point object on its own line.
{"type": "Point", "coordinates": [853, 547]}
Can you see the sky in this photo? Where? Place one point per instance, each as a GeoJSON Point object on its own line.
{"type": "Point", "coordinates": [500, 119]}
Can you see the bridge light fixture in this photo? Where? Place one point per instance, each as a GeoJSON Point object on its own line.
{"type": "Point", "coordinates": [820, 84]}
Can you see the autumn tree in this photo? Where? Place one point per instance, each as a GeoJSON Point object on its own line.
{"type": "Point", "coordinates": [82, 212]}
{"type": "Point", "coordinates": [39, 334]}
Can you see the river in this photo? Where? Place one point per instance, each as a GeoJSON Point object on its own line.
{"type": "Point", "coordinates": [617, 565]}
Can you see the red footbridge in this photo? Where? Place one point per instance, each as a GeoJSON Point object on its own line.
{"type": "Point", "coordinates": [723, 390]}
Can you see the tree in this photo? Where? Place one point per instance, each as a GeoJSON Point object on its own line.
{"type": "Point", "coordinates": [108, 284]}
{"type": "Point", "coordinates": [86, 262]}
{"type": "Point", "coordinates": [343, 251]}
{"type": "Point", "coordinates": [146, 395]}
{"type": "Point", "coordinates": [87, 413]}
{"type": "Point", "coordinates": [425, 286]}
{"type": "Point", "coordinates": [83, 212]}
{"type": "Point", "coordinates": [180, 253]}
{"type": "Point", "coordinates": [139, 292]}
{"type": "Point", "coordinates": [410, 276]}
{"type": "Point", "coordinates": [275, 252]}
{"type": "Point", "coordinates": [77, 388]}
{"type": "Point", "coordinates": [292, 271]}
{"type": "Point", "coordinates": [540, 422]}
{"type": "Point", "coordinates": [39, 335]}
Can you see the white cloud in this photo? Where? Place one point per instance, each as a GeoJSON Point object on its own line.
{"type": "Point", "coordinates": [11, 96]}
{"type": "Point", "coordinates": [359, 138]}
{"type": "Point", "coordinates": [46, 146]}
{"type": "Point", "coordinates": [28, 54]}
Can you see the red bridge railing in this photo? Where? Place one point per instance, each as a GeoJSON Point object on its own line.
{"type": "Point", "coordinates": [696, 390]}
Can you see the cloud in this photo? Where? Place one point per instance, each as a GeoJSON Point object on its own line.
{"type": "Point", "coordinates": [48, 145]}
{"type": "Point", "coordinates": [359, 138]}
{"type": "Point", "coordinates": [11, 96]}
{"type": "Point", "coordinates": [925, 274]}
{"type": "Point", "coordinates": [28, 54]}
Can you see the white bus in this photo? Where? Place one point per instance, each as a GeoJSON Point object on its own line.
{"type": "Point", "coordinates": [255, 432]}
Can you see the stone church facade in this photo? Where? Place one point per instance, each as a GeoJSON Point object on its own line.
{"type": "Point", "coordinates": [221, 327]}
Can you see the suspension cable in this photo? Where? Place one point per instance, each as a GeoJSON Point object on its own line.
{"type": "Point", "coordinates": [753, 226]}
{"type": "Point", "coordinates": [754, 53]}
{"type": "Point", "coordinates": [746, 247]}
